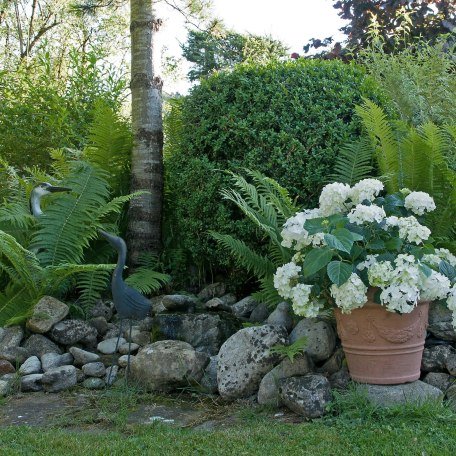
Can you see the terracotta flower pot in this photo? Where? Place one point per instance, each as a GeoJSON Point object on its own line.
{"type": "Point", "coordinates": [382, 347]}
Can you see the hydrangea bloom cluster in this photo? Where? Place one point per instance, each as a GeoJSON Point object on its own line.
{"type": "Point", "coordinates": [358, 239]}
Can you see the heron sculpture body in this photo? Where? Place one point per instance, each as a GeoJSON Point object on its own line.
{"type": "Point", "coordinates": [129, 303]}
{"type": "Point", "coordinates": [38, 192]}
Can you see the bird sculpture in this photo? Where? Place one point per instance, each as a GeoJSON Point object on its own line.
{"type": "Point", "coordinates": [129, 303]}
{"type": "Point", "coordinates": [38, 192]}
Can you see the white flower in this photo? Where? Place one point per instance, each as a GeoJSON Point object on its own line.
{"type": "Point", "coordinates": [400, 297]}
{"type": "Point", "coordinates": [435, 287]}
{"type": "Point", "coordinates": [451, 301]}
{"type": "Point", "coordinates": [367, 263]}
{"type": "Point", "coordinates": [333, 199]}
{"type": "Point", "coordinates": [411, 230]}
{"type": "Point", "coordinates": [350, 295]}
{"type": "Point", "coordinates": [380, 274]}
{"type": "Point", "coordinates": [419, 202]}
{"type": "Point", "coordinates": [294, 232]}
{"type": "Point", "coordinates": [302, 304]}
{"type": "Point", "coordinates": [447, 256]}
{"type": "Point", "coordinates": [391, 222]}
{"type": "Point", "coordinates": [366, 189]}
{"type": "Point", "coordinates": [284, 276]}
{"type": "Point", "coordinates": [366, 214]}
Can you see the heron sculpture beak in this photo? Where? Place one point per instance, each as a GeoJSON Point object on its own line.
{"type": "Point", "coordinates": [54, 189]}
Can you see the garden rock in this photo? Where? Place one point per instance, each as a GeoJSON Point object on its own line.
{"type": "Point", "coordinates": [440, 380]}
{"type": "Point", "coordinates": [178, 302]}
{"type": "Point", "coordinates": [168, 364]}
{"type": "Point", "coordinates": [156, 304]}
{"type": "Point", "coordinates": [11, 338]}
{"type": "Point", "coordinates": [268, 392]}
{"type": "Point", "coordinates": [451, 394]}
{"type": "Point", "coordinates": [94, 383]}
{"type": "Point", "coordinates": [415, 392]}
{"type": "Point", "coordinates": [340, 379]}
{"type": "Point", "coordinates": [113, 331]}
{"type": "Point", "coordinates": [124, 348]}
{"type": "Point", "coordinates": [451, 364]}
{"type": "Point", "coordinates": [101, 309]}
{"type": "Point", "coordinates": [137, 336]}
{"type": "Point", "coordinates": [228, 299]}
{"type": "Point", "coordinates": [440, 322]}
{"type": "Point", "coordinates": [59, 379]}
{"type": "Point", "coordinates": [281, 316]}
{"type": "Point", "coordinates": [435, 358]}
{"type": "Point", "coordinates": [15, 355]}
{"type": "Point", "coordinates": [244, 359]}
{"type": "Point", "coordinates": [146, 324]}
{"type": "Point", "coordinates": [31, 383]}
{"type": "Point", "coordinates": [209, 380]}
{"type": "Point", "coordinates": [123, 360]}
{"type": "Point", "coordinates": [4, 388]}
{"type": "Point", "coordinates": [321, 338]}
{"type": "Point", "coordinates": [216, 304]}
{"type": "Point", "coordinates": [31, 365]}
{"type": "Point", "coordinates": [260, 313]}
{"type": "Point", "coordinates": [111, 375]}
{"type": "Point", "coordinates": [54, 360]}
{"type": "Point", "coordinates": [333, 364]}
{"type": "Point", "coordinates": [96, 369]}
{"type": "Point", "coordinates": [205, 332]}
{"type": "Point", "coordinates": [69, 332]}
{"type": "Point", "coordinates": [308, 395]}
{"type": "Point", "coordinates": [6, 367]}
{"type": "Point", "coordinates": [80, 377]}
{"type": "Point", "coordinates": [244, 307]}
{"type": "Point", "coordinates": [100, 324]}
{"type": "Point", "coordinates": [214, 290]}
{"type": "Point", "coordinates": [47, 312]}
{"type": "Point", "coordinates": [108, 346]}
{"type": "Point", "coordinates": [38, 345]}
{"type": "Point", "coordinates": [82, 357]}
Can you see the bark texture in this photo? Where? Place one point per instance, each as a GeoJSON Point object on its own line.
{"type": "Point", "coordinates": [145, 212]}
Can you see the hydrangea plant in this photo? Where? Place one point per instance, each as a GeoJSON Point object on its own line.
{"type": "Point", "coordinates": [360, 238]}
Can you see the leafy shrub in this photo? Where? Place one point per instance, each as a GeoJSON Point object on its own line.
{"type": "Point", "coordinates": [286, 120]}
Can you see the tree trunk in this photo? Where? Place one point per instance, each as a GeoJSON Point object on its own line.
{"type": "Point", "coordinates": [145, 212]}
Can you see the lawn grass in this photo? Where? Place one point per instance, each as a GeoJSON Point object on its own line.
{"type": "Point", "coordinates": [351, 427]}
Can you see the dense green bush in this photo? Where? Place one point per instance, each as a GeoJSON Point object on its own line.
{"type": "Point", "coordinates": [286, 120]}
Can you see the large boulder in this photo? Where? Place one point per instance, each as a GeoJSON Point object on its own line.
{"type": "Point", "coordinates": [69, 332]}
{"type": "Point", "coordinates": [38, 345]}
{"type": "Point", "coordinates": [245, 358]}
{"type": "Point", "coordinates": [320, 335]}
{"type": "Point", "coordinates": [440, 322]}
{"type": "Point", "coordinates": [435, 358]}
{"type": "Point", "coordinates": [308, 395]}
{"type": "Point", "coordinates": [268, 392]}
{"type": "Point", "coordinates": [204, 332]}
{"type": "Point", "coordinates": [46, 313]}
{"type": "Point", "coordinates": [168, 364]}
{"type": "Point", "coordinates": [10, 338]}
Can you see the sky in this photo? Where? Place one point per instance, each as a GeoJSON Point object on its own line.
{"type": "Point", "coordinates": [293, 22]}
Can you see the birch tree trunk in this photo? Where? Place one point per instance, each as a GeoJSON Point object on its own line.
{"type": "Point", "coordinates": [145, 212]}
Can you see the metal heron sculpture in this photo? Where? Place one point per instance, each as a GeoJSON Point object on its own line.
{"type": "Point", "coordinates": [38, 192]}
{"type": "Point", "coordinates": [129, 303]}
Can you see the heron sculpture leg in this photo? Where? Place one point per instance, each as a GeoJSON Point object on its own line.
{"type": "Point", "coordinates": [108, 383]}
{"type": "Point", "coordinates": [129, 351]}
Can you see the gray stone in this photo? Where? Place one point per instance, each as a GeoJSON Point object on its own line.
{"type": "Point", "coordinates": [209, 380]}
{"type": "Point", "coordinates": [268, 392]}
{"type": "Point", "coordinates": [113, 331]}
{"type": "Point", "coordinates": [69, 332]}
{"type": "Point", "coordinates": [38, 345]}
{"type": "Point", "coordinates": [451, 393]}
{"type": "Point", "coordinates": [6, 367]}
{"type": "Point", "coordinates": [101, 309]}
{"type": "Point", "coordinates": [214, 290]}
{"type": "Point", "coordinates": [90, 340]}
{"type": "Point", "coordinates": [111, 375]}
{"type": "Point", "coordinates": [217, 304]}
{"type": "Point", "coordinates": [82, 357]}
{"type": "Point", "coordinates": [31, 383]}
{"type": "Point", "coordinates": [451, 364]}
{"type": "Point", "coordinates": [15, 355]}
{"type": "Point", "coordinates": [146, 324]}
{"type": "Point", "coordinates": [440, 322]}
{"type": "Point", "coordinates": [59, 379]}
{"type": "Point", "coordinates": [11, 337]}
{"type": "Point", "coordinates": [281, 316]}
{"type": "Point", "coordinates": [205, 332]}
{"type": "Point", "coordinates": [435, 358]}
{"type": "Point", "coordinates": [440, 380]}
{"type": "Point", "coordinates": [94, 383]}
{"type": "Point", "coordinates": [244, 307]}
{"type": "Point", "coordinates": [178, 302]}
{"type": "Point", "coordinates": [137, 336]}
{"type": "Point", "coordinates": [157, 305]}
{"type": "Point", "coordinates": [4, 388]}
{"type": "Point", "coordinates": [46, 313]}
{"type": "Point", "coordinates": [260, 313]}
{"type": "Point", "coordinates": [168, 364]}
{"type": "Point", "coordinates": [333, 364]}
{"type": "Point", "coordinates": [308, 395]}
{"type": "Point", "coordinates": [31, 365]}
{"type": "Point", "coordinates": [228, 299]}
{"type": "Point", "coordinates": [245, 358]}
{"type": "Point", "coordinates": [123, 360]}
{"type": "Point", "coordinates": [123, 349]}
{"type": "Point", "coordinates": [340, 380]}
{"type": "Point", "coordinates": [53, 360]}
{"type": "Point", "coordinates": [100, 324]}
{"type": "Point", "coordinates": [80, 377]}
{"type": "Point", "coordinates": [96, 369]}
{"type": "Point", "coordinates": [108, 346]}
{"type": "Point", "coordinates": [389, 395]}
{"type": "Point", "coordinates": [321, 338]}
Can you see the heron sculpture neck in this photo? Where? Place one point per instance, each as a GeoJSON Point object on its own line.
{"type": "Point", "coordinates": [121, 248]}
{"type": "Point", "coordinates": [38, 192]}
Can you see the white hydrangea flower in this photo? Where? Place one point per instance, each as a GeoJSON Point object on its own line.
{"type": "Point", "coordinates": [283, 278]}
{"type": "Point", "coordinates": [302, 304]}
{"type": "Point", "coordinates": [366, 214]}
{"type": "Point", "coordinates": [431, 259]}
{"type": "Point", "coordinates": [451, 301]}
{"type": "Point", "coordinates": [435, 287]}
{"type": "Point", "coordinates": [367, 263]}
{"type": "Point", "coordinates": [419, 202]}
{"type": "Point", "coordinates": [366, 189]}
{"type": "Point", "coordinates": [447, 256]}
{"type": "Point", "coordinates": [391, 222]}
{"type": "Point", "coordinates": [350, 295]}
{"type": "Point", "coordinates": [412, 231]}
{"type": "Point", "coordinates": [400, 297]}
{"type": "Point", "coordinates": [294, 232]}
{"type": "Point", "coordinates": [333, 199]}
{"type": "Point", "coordinates": [381, 274]}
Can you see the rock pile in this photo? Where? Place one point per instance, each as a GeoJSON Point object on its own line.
{"type": "Point", "coordinates": [201, 341]}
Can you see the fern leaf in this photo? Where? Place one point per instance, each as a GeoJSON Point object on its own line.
{"type": "Point", "coordinates": [267, 294]}
{"type": "Point", "coordinates": [147, 281]}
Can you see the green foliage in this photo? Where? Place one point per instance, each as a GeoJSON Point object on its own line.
{"type": "Point", "coordinates": [287, 120]}
{"type": "Point", "coordinates": [292, 350]}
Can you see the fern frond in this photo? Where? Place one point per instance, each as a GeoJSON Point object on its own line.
{"type": "Point", "coordinates": [115, 206]}
{"type": "Point", "coordinates": [90, 285]}
{"type": "Point", "coordinates": [16, 303]}
{"type": "Point", "coordinates": [267, 294]}
{"type": "Point", "coordinates": [147, 281]}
